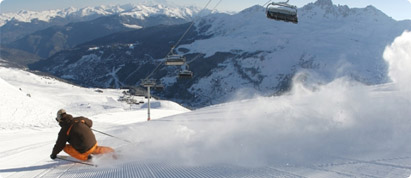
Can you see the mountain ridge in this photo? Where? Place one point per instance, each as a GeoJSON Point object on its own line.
{"type": "Point", "coordinates": [17, 25]}
{"type": "Point", "coordinates": [45, 39]}
{"type": "Point", "coordinates": [103, 10]}
{"type": "Point", "coordinates": [242, 53]}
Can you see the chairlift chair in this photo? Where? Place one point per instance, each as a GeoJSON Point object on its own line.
{"type": "Point", "coordinates": [148, 83]}
{"type": "Point", "coordinates": [282, 11]}
{"type": "Point", "coordinates": [159, 87]}
{"type": "Point", "coordinates": [175, 60]}
{"type": "Point", "coordinates": [185, 74]}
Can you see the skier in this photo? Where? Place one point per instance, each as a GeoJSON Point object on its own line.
{"type": "Point", "coordinates": [77, 131]}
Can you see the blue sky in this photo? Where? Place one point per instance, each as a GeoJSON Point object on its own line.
{"type": "Point", "coordinates": [398, 9]}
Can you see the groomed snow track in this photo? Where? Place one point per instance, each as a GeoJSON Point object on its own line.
{"type": "Point", "coordinates": [163, 170]}
{"type": "Point", "coordinates": [392, 167]}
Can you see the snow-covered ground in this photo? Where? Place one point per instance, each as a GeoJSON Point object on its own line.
{"type": "Point", "coordinates": [339, 129]}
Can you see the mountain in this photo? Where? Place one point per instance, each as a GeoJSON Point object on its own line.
{"type": "Point", "coordinates": [239, 55]}
{"type": "Point", "coordinates": [101, 55]}
{"type": "Point", "coordinates": [340, 129]}
{"type": "Point", "coordinates": [54, 39]}
{"type": "Point", "coordinates": [46, 33]}
{"type": "Point", "coordinates": [16, 25]}
{"type": "Point", "coordinates": [18, 57]}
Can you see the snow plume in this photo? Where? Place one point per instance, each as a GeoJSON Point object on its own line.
{"type": "Point", "coordinates": [315, 122]}
{"type": "Point", "coordinates": [398, 56]}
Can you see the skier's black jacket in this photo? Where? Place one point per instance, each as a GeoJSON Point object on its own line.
{"type": "Point", "coordinates": [77, 131]}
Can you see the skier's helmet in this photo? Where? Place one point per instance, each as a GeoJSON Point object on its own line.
{"type": "Point", "coordinates": [59, 113]}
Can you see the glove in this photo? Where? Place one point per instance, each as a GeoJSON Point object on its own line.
{"type": "Point", "coordinates": [53, 156]}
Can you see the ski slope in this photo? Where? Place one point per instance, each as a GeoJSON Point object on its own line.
{"type": "Point", "coordinates": [339, 129]}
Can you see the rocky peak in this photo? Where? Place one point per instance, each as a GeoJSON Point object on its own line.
{"type": "Point", "coordinates": [252, 9]}
{"type": "Point", "coordinates": [324, 3]}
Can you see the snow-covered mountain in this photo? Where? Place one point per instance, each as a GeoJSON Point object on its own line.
{"type": "Point", "coordinates": [240, 54]}
{"type": "Point", "coordinates": [331, 41]}
{"type": "Point", "coordinates": [138, 11]}
{"type": "Point", "coordinates": [47, 42]}
{"type": "Point", "coordinates": [16, 25]}
{"type": "Point", "coordinates": [339, 129]}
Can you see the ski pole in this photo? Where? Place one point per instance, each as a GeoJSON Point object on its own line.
{"type": "Point", "coordinates": [88, 164]}
{"type": "Point", "coordinates": [111, 136]}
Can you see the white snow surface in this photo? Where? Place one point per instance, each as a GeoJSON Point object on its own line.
{"type": "Point", "coordinates": [339, 129]}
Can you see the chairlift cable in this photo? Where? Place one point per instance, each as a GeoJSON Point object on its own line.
{"type": "Point", "coordinates": [215, 7]}
{"type": "Point", "coordinates": [196, 57]}
{"type": "Point", "coordinates": [148, 76]}
{"type": "Point", "coordinates": [181, 38]}
{"type": "Point", "coordinates": [186, 72]}
{"type": "Point", "coordinates": [188, 29]}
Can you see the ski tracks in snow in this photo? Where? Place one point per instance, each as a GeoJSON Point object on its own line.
{"type": "Point", "coordinates": [14, 165]}
{"type": "Point", "coordinates": [23, 156]}
{"type": "Point", "coordinates": [156, 169]}
{"type": "Point", "coordinates": [343, 167]}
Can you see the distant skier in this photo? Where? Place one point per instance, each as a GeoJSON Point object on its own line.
{"type": "Point", "coordinates": [77, 131]}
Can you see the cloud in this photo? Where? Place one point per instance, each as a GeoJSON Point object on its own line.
{"type": "Point", "coordinates": [398, 56]}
